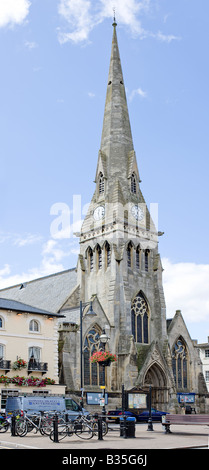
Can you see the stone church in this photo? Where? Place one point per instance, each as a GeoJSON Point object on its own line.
{"type": "Point", "coordinates": [119, 275]}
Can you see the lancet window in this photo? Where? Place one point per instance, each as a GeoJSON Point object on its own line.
{"type": "Point", "coordinates": [101, 183]}
{"type": "Point", "coordinates": [133, 183]}
{"type": "Point", "coordinates": [93, 373]}
{"type": "Point", "coordinates": [107, 254]}
{"type": "Point", "coordinates": [180, 364]}
{"type": "Point", "coordinates": [140, 319]}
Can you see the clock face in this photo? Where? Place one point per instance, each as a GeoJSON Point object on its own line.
{"type": "Point", "coordinates": [137, 212]}
{"type": "Point", "coordinates": [99, 213]}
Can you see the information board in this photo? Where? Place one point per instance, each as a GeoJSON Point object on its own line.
{"type": "Point", "coordinates": [137, 400]}
{"type": "Point", "coordinates": [94, 398]}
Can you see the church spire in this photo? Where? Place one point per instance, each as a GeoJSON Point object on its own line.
{"type": "Point", "coordinates": [116, 141]}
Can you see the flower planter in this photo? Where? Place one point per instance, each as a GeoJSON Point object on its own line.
{"type": "Point", "coordinates": [105, 363]}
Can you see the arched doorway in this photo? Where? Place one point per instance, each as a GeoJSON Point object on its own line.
{"type": "Point", "coordinates": [155, 376]}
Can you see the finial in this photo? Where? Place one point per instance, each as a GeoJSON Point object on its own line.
{"type": "Point", "coordinates": [114, 20]}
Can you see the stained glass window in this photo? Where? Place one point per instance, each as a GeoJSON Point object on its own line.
{"type": "Point", "coordinates": [180, 364]}
{"type": "Point", "coordinates": [140, 319]}
{"type": "Point", "coordinates": [93, 373]}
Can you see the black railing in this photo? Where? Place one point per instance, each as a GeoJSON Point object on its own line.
{"type": "Point", "coordinates": [37, 366]}
{"type": "Point", "coordinates": [5, 365]}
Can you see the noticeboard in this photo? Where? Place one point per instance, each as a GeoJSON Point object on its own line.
{"type": "Point", "coordinates": [186, 397]}
{"type": "Point", "coordinates": [137, 401]}
{"type": "Point", "coordinates": [94, 398]}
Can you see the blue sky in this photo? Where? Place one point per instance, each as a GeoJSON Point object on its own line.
{"type": "Point", "coordinates": [54, 67]}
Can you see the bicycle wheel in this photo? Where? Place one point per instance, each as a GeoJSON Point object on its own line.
{"type": "Point", "coordinates": [46, 426]}
{"type": "Point", "coordinates": [83, 430]}
{"type": "Point", "coordinates": [63, 431]}
{"type": "Point", "coordinates": [4, 426]}
{"type": "Point", "coordinates": [104, 428]}
{"type": "Point", "coordinates": [21, 428]}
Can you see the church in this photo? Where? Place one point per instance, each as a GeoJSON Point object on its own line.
{"type": "Point", "coordinates": [118, 278]}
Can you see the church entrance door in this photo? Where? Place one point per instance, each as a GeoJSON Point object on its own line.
{"type": "Point", "coordinates": [155, 376]}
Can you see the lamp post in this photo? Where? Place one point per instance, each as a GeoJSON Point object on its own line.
{"type": "Point", "coordinates": [104, 339]}
{"type": "Point", "coordinates": [90, 313]}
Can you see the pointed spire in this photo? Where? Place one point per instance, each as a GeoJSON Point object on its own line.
{"type": "Point", "coordinates": [116, 141]}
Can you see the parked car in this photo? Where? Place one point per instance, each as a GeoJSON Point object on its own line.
{"type": "Point", "coordinates": [115, 415]}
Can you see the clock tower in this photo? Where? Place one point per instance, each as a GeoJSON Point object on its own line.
{"type": "Point", "coordinates": [119, 266]}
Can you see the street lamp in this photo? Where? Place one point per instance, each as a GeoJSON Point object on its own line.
{"type": "Point", "coordinates": [104, 339]}
{"type": "Point", "coordinates": [90, 313]}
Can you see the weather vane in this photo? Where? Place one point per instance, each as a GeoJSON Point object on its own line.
{"type": "Point", "coordinates": [114, 20]}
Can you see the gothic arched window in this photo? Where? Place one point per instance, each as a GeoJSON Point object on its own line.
{"type": "Point", "coordinates": [138, 257]}
{"type": "Point", "coordinates": [140, 319]}
{"type": "Point", "coordinates": [129, 255]}
{"type": "Point", "coordinates": [133, 183]}
{"type": "Point", "coordinates": [99, 256]}
{"type": "Point", "coordinates": [90, 256]}
{"type": "Point", "coordinates": [146, 260]}
{"type": "Point", "coordinates": [180, 364]}
{"type": "Point", "coordinates": [101, 183]}
{"type": "Point", "coordinates": [93, 373]}
{"type": "Point", "coordinates": [107, 254]}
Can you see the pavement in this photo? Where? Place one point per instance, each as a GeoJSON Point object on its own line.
{"type": "Point", "coordinates": [181, 437]}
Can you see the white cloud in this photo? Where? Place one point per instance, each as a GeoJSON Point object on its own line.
{"type": "Point", "coordinates": [29, 239]}
{"type": "Point", "coordinates": [138, 92]}
{"type": "Point", "coordinates": [186, 289]}
{"type": "Point", "coordinates": [166, 37]}
{"type": "Point", "coordinates": [51, 261]}
{"type": "Point", "coordinates": [81, 16]}
{"type": "Point", "coordinates": [13, 12]}
{"type": "Point", "coordinates": [78, 16]}
{"type": "Point", "coordinates": [31, 45]}
{"type": "Point", "coordinates": [91, 94]}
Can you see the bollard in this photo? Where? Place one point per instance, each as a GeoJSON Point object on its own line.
{"type": "Point", "coordinates": [55, 428]}
{"type": "Point", "coordinates": [100, 436]}
{"type": "Point", "coordinates": [13, 425]}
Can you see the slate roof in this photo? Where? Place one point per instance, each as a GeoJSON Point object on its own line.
{"type": "Point", "coordinates": [47, 293]}
{"type": "Point", "coordinates": [8, 304]}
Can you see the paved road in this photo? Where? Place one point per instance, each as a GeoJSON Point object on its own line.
{"type": "Point", "coordinates": [182, 437]}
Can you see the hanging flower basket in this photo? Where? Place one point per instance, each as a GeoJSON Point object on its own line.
{"type": "Point", "coordinates": [19, 364]}
{"type": "Point", "coordinates": [103, 358]}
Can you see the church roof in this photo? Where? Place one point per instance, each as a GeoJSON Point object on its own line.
{"type": "Point", "coordinates": [48, 293]}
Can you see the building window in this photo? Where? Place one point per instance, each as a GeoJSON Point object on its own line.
{"type": "Point", "coordinates": [179, 364]}
{"type": "Point", "coordinates": [107, 254]}
{"type": "Point", "coordinates": [99, 257]}
{"type": "Point", "coordinates": [140, 319]}
{"type": "Point", "coordinates": [146, 260]}
{"type": "Point", "coordinates": [93, 373]}
{"type": "Point", "coordinates": [34, 326]}
{"type": "Point", "coordinates": [34, 357]}
{"type": "Point", "coordinates": [206, 352]}
{"type": "Point", "coordinates": [133, 183]}
{"type": "Point", "coordinates": [138, 257]}
{"type": "Point", "coordinates": [207, 375]}
{"type": "Point", "coordinates": [101, 183]}
{"type": "Point", "coordinates": [1, 351]}
{"type": "Point", "coordinates": [129, 255]}
{"type": "Point", "coordinates": [1, 322]}
{"type": "Point", "coordinates": [90, 259]}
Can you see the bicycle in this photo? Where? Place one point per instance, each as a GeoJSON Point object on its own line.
{"type": "Point", "coordinates": [81, 427]}
{"type": "Point", "coordinates": [94, 423]}
{"type": "Point", "coordinates": [4, 424]}
{"type": "Point", "coordinates": [39, 422]}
